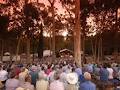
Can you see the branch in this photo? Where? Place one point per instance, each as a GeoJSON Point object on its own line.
{"type": "Point", "coordinates": [67, 10]}
{"type": "Point", "coordinates": [51, 2]}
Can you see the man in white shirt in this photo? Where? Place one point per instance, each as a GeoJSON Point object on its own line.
{"type": "Point", "coordinates": [56, 84]}
{"type": "Point", "coordinates": [110, 70]}
{"type": "Point", "coordinates": [3, 74]}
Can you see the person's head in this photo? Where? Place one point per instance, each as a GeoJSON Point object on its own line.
{"type": "Point", "coordinates": [22, 69]}
{"type": "Point", "coordinates": [104, 65]}
{"type": "Point", "coordinates": [42, 76]}
{"type": "Point", "coordinates": [108, 65]}
{"type": "Point", "coordinates": [71, 78]}
{"type": "Point", "coordinates": [42, 68]}
{"type": "Point", "coordinates": [53, 68]}
{"type": "Point", "coordinates": [4, 67]}
{"type": "Point", "coordinates": [73, 69]}
{"type": "Point", "coordinates": [12, 74]}
{"type": "Point", "coordinates": [28, 78]}
{"type": "Point", "coordinates": [57, 75]}
{"type": "Point", "coordinates": [87, 76]}
{"type": "Point", "coordinates": [49, 66]}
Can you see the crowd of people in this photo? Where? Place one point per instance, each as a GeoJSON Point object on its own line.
{"type": "Point", "coordinates": [61, 75]}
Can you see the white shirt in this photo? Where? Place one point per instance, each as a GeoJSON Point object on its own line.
{"type": "Point", "coordinates": [63, 76]}
{"type": "Point", "coordinates": [110, 70]}
{"type": "Point", "coordinates": [42, 85]}
{"type": "Point", "coordinates": [3, 75]}
{"type": "Point", "coordinates": [57, 85]}
{"type": "Point", "coordinates": [42, 74]}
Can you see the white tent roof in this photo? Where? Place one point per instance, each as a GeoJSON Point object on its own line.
{"type": "Point", "coordinates": [6, 53]}
{"type": "Point", "coordinates": [65, 50]}
{"type": "Point", "coordinates": [47, 53]}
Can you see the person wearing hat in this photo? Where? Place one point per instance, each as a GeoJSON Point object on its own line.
{"type": "Point", "coordinates": [57, 84]}
{"type": "Point", "coordinates": [87, 85]}
{"type": "Point", "coordinates": [3, 74]}
{"type": "Point", "coordinates": [72, 80]}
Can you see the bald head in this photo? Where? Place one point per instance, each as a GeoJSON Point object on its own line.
{"type": "Point", "coordinates": [87, 76]}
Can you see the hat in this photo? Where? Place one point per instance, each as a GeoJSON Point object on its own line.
{"type": "Point", "coordinates": [72, 78]}
{"type": "Point", "coordinates": [87, 76]}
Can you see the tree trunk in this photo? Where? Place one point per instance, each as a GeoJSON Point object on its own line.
{"type": "Point", "coordinates": [115, 37]}
{"type": "Point", "coordinates": [37, 1]}
{"type": "Point", "coordinates": [53, 33]}
{"type": "Point", "coordinates": [50, 42]}
{"type": "Point", "coordinates": [18, 47]}
{"type": "Point", "coordinates": [83, 45]}
{"type": "Point", "coordinates": [10, 48]}
{"type": "Point", "coordinates": [101, 49]}
{"type": "Point", "coordinates": [28, 51]}
{"type": "Point", "coordinates": [93, 51]}
{"type": "Point", "coordinates": [2, 49]}
{"type": "Point", "coordinates": [40, 45]}
{"type": "Point", "coordinates": [98, 56]}
{"type": "Point", "coordinates": [94, 48]}
{"type": "Point", "coordinates": [77, 35]}
{"type": "Point", "coordinates": [33, 43]}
